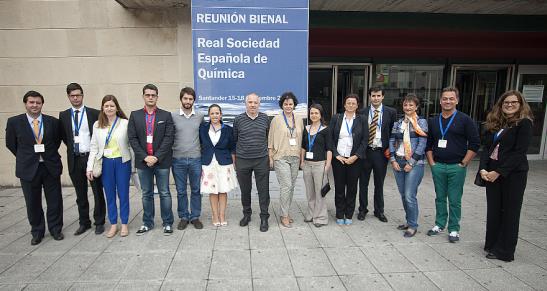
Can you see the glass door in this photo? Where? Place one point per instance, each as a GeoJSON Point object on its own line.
{"type": "Point", "coordinates": [532, 81]}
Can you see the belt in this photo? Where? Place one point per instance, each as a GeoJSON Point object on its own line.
{"type": "Point", "coordinates": [375, 148]}
{"type": "Point", "coordinates": [81, 154]}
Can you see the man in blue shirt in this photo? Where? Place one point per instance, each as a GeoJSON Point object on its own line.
{"type": "Point", "coordinates": [452, 143]}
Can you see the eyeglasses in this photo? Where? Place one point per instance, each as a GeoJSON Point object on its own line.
{"type": "Point", "coordinates": [512, 103]}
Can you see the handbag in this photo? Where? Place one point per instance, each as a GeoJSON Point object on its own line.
{"type": "Point", "coordinates": [478, 180]}
{"type": "Point", "coordinates": [98, 167]}
{"type": "Point", "coordinates": [326, 186]}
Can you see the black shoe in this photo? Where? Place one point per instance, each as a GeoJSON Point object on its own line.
{"type": "Point", "coordinates": [197, 224]}
{"type": "Point", "coordinates": [308, 220]}
{"type": "Point", "coordinates": [492, 256]}
{"type": "Point", "coordinates": [58, 236]}
{"type": "Point", "coordinates": [361, 215]}
{"type": "Point", "coordinates": [318, 225]}
{"type": "Point", "coordinates": [82, 229]}
{"type": "Point", "coordinates": [182, 224]}
{"type": "Point", "coordinates": [245, 220]}
{"type": "Point", "coordinates": [381, 217]}
{"type": "Point", "coordinates": [402, 227]}
{"type": "Point", "coordinates": [36, 240]}
{"type": "Point", "coordinates": [264, 225]}
{"type": "Point", "coordinates": [410, 232]}
{"type": "Point", "coordinates": [99, 229]}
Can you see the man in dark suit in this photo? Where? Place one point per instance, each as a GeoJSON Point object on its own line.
{"type": "Point", "coordinates": [76, 131]}
{"type": "Point", "coordinates": [34, 139]}
{"type": "Point", "coordinates": [380, 123]}
{"type": "Point", "coordinates": [151, 134]}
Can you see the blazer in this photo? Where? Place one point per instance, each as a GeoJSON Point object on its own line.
{"type": "Point", "coordinates": [417, 143]}
{"type": "Point", "coordinates": [359, 133]}
{"type": "Point", "coordinates": [65, 118]}
{"type": "Point", "coordinates": [223, 150]}
{"type": "Point", "coordinates": [389, 116]}
{"type": "Point", "coordinates": [162, 144]}
{"type": "Point", "coordinates": [513, 146]}
{"type": "Point", "coordinates": [98, 140]}
{"type": "Point", "coordinates": [20, 141]}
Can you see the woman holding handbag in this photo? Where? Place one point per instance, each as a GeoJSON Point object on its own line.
{"type": "Point", "coordinates": [110, 147]}
{"type": "Point", "coordinates": [315, 161]}
{"type": "Point", "coordinates": [407, 155]}
{"type": "Point", "coordinates": [504, 168]}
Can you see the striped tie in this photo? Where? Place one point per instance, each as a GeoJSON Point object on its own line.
{"type": "Point", "coordinates": [372, 128]}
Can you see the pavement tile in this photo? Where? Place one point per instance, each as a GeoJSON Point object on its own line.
{"type": "Point", "coordinates": [108, 266]}
{"type": "Point", "coordinates": [233, 239]}
{"type": "Point", "coordinates": [270, 263]}
{"type": "Point", "coordinates": [310, 263]}
{"type": "Point", "coordinates": [320, 283]}
{"type": "Point", "coordinates": [271, 239]}
{"type": "Point", "coordinates": [198, 239]}
{"type": "Point", "coordinates": [465, 256]}
{"type": "Point", "coordinates": [365, 281]}
{"type": "Point", "coordinates": [299, 238]}
{"type": "Point", "coordinates": [93, 286]}
{"type": "Point", "coordinates": [425, 258]}
{"type": "Point", "coordinates": [28, 268]}
{"type": "Point", "coordinates": [141, 267]}
{"type": "Point", "coordinates": [230, 264]}
{"type": "Point", "coordinates": [67, 268]}
{"type": "Point", "coordinates": [275, 284]}
{"type": "Point", "coordinates": [349, 261]}
{"type": "Point", "coordinates": [532, 275]}
{"type": "Point", "coordinates": [139, 285]}
{"type": "Point", "coordinates": [331, 236]}
{"type": "Point", "coordinates": [199, 268]}
{"type": "Point", "coordinates": [184, 285]}
{"type": "Point", "coordinates": [49, 286]}
{"type": "Point", "coordinates": [229, 284]}
{"type": "Point", "coordinates": [453, 280]}
{"type": "Point", "coordinates": [388, 259]}
{"type": "Point", "coordinates": [497, 279]}
{"type": "Point", "coordinates": [12, 287]}
{"type": "Point", "coordinates": [410, 281]}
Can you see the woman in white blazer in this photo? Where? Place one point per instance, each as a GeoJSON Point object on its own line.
{"type": "Point", "coordinates": [110, 145]}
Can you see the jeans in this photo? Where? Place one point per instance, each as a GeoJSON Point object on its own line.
{"type": "Point", "coordinates": [448, 180]}
{"type": "Point", "coordinates": [408, 183]}
{"type": "Point", "coordinates": [146, 177]}
{"type": "Point", "coordinates": [183, 169]}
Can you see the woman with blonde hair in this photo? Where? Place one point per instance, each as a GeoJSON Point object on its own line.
{"type": "Point", "coordinates": [110, 146]}
{"type": "Point", "coordinates": [504, 170]}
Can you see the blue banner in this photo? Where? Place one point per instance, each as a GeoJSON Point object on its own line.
{"type": "Point", "coordinates": [240, 47]}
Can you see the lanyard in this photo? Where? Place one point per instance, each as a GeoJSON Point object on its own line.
{"type": "Point", "coordinates": [311, 141]}
{"type": "Point", "coordinates": [350, 129]}
{"type": "Point", "coordinates": [371, 115]}
{"type": "Point", "coordinates": [445, 130]}
{"type": "Point", "coordinates": [497, 135]}
{"type": "Point", "coordinates": [79, 125]}
{"type": "Point", "coordinates": [40, 132]}
{"type": "Point", "coordinates": [291, 129]}
{"type": "Point", "coordinates": [215, 130]}
{"type": "Point", "coordinates": [149, 122]}
{"type": "Point", "coordinates": [109, 136]}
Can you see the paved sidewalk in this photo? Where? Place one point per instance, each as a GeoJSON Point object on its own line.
{"type": "Point", "coordinates": [369, 255]}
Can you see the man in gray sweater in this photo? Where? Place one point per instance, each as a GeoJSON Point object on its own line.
{"type": "Point", "coordinates": [187, 159]}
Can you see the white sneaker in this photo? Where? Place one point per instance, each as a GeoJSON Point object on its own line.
{"type": "Point", "coordinates": [167, 230]}
{"type": "Point", "coordinates": [453, 237]}
{"type": "Point", "coordinates": [434, 231]}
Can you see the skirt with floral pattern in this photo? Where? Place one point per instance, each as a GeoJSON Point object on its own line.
{"type": "Point", "coordinates": [217, 178]}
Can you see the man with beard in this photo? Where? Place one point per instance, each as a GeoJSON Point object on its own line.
{"type": "Point", "coordinates": [187, 159]}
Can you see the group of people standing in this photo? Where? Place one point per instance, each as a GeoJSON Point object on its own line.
{"type": "Point", "coordinates": [103, 146]}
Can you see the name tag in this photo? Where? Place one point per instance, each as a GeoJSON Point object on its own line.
{"type": "Point", "coordinates": [292, 141]}
{"type": "Point", "coordinates": [77, 139]}
{"type": "Point", "coordinates": [309, 155]}
{"type": "Point", "coordinates": [107, 152]}
{"type": "Point", "coordinates": [149, 139]}
{"type": "Point", "coordinates": [442, 143]}
{"type": "Point", "coordinates": [39, 148]}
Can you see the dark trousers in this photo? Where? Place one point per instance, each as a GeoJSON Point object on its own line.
{"type": "Point", "coordinates": [32, 190]}
{"type": "Point", "coordinates": [375, 162]}
{"type": "Point", "coordinates": [345, 187]}
{"type": "Point", "coordinates": [504, 202]}
{"type": "Point", "coordinates": [79, 180]}
{"type": "Point", "coordinates": [244, 170]}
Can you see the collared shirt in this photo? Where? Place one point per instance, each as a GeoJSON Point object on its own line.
{"type": "Point", "coordinates": [253, 118]}
{"type": "Point", "coordinates": [84, 133]}
{"type": "Point", "coordinates": [377, 142]}
{"type": "Point", "coordinates": [31, 122]}
{"type": "Point", "coordinates": [189, 115]}
{"type": "Point", "coordinates": [345, 139]}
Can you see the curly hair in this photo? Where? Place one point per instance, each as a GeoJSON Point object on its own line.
{"type": "Point", "coordinates": [497, 119]}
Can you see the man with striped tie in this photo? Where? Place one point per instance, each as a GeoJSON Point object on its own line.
{"type": "Point", "coordinates": [380, 119]}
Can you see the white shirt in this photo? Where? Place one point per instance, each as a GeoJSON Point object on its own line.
{"type": "Point", "coordinates": [377, 142]}
{"type": "Point", "coordinates": [345, 139]}
{"type": "Point", "coordinates": [84, 133]}
{"type": "Point", "coordinates": [189, 115]}
{"type": "Point", "coordinates": [215, 137]}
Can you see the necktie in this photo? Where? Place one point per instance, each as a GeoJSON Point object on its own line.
{"type": "Point", "coordinates": [36, 129]}
{"type": "Point", "coordinates": [76, 131]}
{"type": "Point", "coordinates": [372, 128]}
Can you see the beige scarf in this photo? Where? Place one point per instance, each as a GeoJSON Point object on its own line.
{"type": "Point", "coordinates": [413, 119]}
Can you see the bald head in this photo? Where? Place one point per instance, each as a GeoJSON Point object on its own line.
{"type": "Point", "coordinates": [252, 103]}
